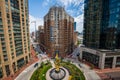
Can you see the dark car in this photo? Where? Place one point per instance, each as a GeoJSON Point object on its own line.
{"type": "Point", "coordinates": [80, 65]}
{"type": "Point", "coordinates": [36, 64]}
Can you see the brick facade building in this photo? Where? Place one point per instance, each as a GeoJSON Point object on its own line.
{"type": "Point", "coordinates": [58, 28]}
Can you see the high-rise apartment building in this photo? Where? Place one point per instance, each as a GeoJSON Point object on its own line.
{"type": "Point", "coordinates": [14, 36]}
{"type": "Point", "coordinates": [75, 38]}
{"type": "Point", "coordinates": [102, 33]}
{"type": "Point", "coordinates": [41, 39]}
{"type": "Point", "coordinates": [58, 28]}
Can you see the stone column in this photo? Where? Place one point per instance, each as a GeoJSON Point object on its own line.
{"type": "Point", "coordinates": [114, 62]}
{"type": "Point", "coordinates": [4, 71]}
{"type": "Point", "coordinates": [81, 51]}
{"type": "Point", "coordinates": [102, 61]}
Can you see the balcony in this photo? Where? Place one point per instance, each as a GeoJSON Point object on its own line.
{"type": "Point", "coordinates": [17, 38]}
{"type": "Point", "coordinates": [1, 31]}
{"type": "Point", "coordinates": [5, 53]}
{"type": "Point", "coordinates": [1, 23]}
{"type": "Point", "coordinates": [4, 49]}
{"type": "Point", "coordinates": [19, 53]}
{"type": "Point", "coordinates": [18, 42]}
{"type": "Point", "coordinates": [1, 27]}
{"type": "Point", "coordinates": [18, 25]}
{"type": "Point", "coordinates": [3, 45]}
{"type": "Point", "coordinates": [5, 58]}
{"type": "Point", "coordinates": [17, 31]}
{"type": "Point", "coordinates": [18, 46]}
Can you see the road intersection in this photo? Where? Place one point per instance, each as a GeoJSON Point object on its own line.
{"type": "Point", "coordinates": [89, 73]}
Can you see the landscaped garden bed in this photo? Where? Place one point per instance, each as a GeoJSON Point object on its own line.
{"type": "Point", "coordinates": [40, 73]}
{"type": "Point", "coordinates": [73, 70]}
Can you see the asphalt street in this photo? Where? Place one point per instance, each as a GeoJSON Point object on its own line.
{"type": "Point", "coordinates": [89, 74]}
{"type": "Point", "coordinates": [26, 74]}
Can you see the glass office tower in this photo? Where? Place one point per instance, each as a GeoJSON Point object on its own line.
{"type": "Point", "coordinates": [101, 35]}
{"type": "Point", "coordinates": [102, 24]}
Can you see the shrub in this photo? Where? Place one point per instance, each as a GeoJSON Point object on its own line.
{"type": "Point", "coordinates": [39, 74]}
{"type": "Point", "coordinates": [74, 71]}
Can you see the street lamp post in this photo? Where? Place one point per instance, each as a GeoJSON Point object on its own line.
{"type": "Point", "coordinates": [35, 30]}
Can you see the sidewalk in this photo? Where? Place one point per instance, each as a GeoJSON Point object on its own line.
{"type": "Point", "coordinates": [103, 73]}
{"type": "Point", "coordinates": [108, 70]}
{"type": "Point", "coordinates": [34, 59]}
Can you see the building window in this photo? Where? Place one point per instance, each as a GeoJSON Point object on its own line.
{"type": "Point", "coordinates": [118, 62]}
{"type": "Point", "coordinates": [108, 62]}
{"type": "Point", "coordinates": [6, 0]}
{"type": "Point", "coordinates": [20, 62]}
{"type": "Point", "coordinates": [5, 57]}
{"type": "Point", "coordinates": [7, 70]}
{"type": "Point", "coordinates": [0, 14]}
{"type": "Point", "coordinates": [1, 73]}
{"type": "Point", "coordinates": [94, 59]}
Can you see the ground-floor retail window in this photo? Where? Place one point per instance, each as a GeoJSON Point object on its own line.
{"type": "Point", "coordinates": [94, 59]}
{"type": "Point", "coordinates": [26, 59]}
{"type": "Point", "coordinates": [118, 62]}
{"type": "Point", "coordinates": [108, 62]}
{"type": "Point", "coordinates": [14, 66]}
{"type": "Point", "coordinates": [7, 70]}
{"type": "Point", "coordinates": [20, 62]}
{"type": "Point", "coordinates": [1, 73]}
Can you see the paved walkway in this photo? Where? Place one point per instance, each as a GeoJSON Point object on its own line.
{"type": "Point", "coordinates": [104, 72]}
{"type": "Point", "coordinates": [107, 70]}
{"type": "Point", "coordinates": [89, 73]}
{"type": "Point", "coordinates": [52, 62]}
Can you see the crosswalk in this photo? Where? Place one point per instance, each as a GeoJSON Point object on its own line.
{"type": "Point", "coordinates": [75, 53]}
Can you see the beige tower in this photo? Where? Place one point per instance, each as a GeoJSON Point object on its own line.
{"type": "Point", "coordinates": [58, 28]}
{"type": "Point", "coordinates": [14, 36]}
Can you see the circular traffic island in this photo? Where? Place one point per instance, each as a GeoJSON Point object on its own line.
{"type": "Point", "coordinates": [52, 74]}
{"type": "Point", "coordinates": [57, 75]}
{"type": "Point", "coordinates": [67, 71]}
